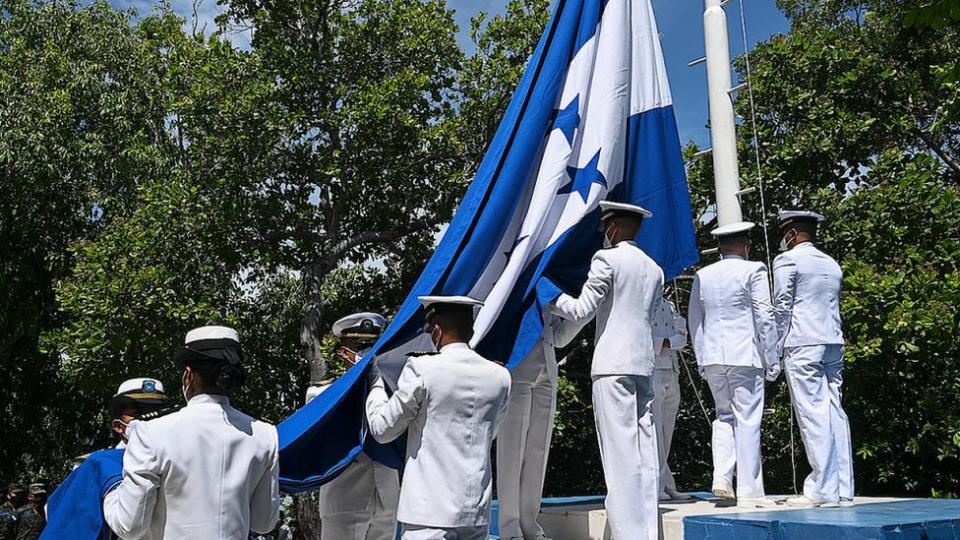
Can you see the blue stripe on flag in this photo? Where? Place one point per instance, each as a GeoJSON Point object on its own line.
{"type": "Point", "coordinates": [655, 179]}
{"type": "Point", "coordinates": [321, 439]}
{"type": "Point", "coordinates": [316, 441]}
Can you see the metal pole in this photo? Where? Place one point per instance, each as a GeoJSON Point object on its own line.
{"type": "Point", "coordinates": [723, 134]}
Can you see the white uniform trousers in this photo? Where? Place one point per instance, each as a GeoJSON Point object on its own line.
{"type": "Point", "coordinates": [738, 396]}
{"type": "Point", "coordinates": [815, 376]}
{"type": "Point", "coordinates": [377, 519]}
{"type": "Point", "coordinates": [381, 524]}
{"type": "Point", "coordinates": [413, 532]}
{"type": "Point", "coordinates": [628, 449]}
{"type": "Point", "coordinates": [666, 404]}
{"type": "Point", "coordinates": [523, 445]}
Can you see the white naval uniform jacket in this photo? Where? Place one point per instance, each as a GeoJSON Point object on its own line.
{"type": "Point", "coordinates": [731, 319]}
{"type": "Point", "coordinates": [668, 326]}
{"type": "Point", "coordinates": [807, 284]}
{"type": "Point", "coordinates": [207, 471]}
{"type": "Point", "coordinates": [350, 492]}
{"type": "Point", "coordinates": [623, 290]}
{"type": "Point", "coordinates": [451, 404]}
{"type": "Point", "coordinates": [557, 333]}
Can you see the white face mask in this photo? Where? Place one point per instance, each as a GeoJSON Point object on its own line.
{"type": "Point", "coordinates": [436, 342]}
{"type": "Point", "coordinates": [784, 243]}
{"type": "Point", "coordinates": [606, 239]}
{"type": "Point", "coordinates": [126, 426]}
{"type": "Point", "coordinates": [183, 387]}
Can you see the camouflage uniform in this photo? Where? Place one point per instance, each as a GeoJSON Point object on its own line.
{"type": "Point", "coordinates": [8, 522]}
{"type": "Point", "coordinates": [30, 523]}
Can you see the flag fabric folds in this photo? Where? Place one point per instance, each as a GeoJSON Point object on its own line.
{"type": "Point", "coordinates": [75, 509]}
{"type": "Point", "coordinates": [591, 119]}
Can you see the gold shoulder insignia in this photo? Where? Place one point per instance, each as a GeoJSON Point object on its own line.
{"type": "Point", "coordinates": [159, 414]}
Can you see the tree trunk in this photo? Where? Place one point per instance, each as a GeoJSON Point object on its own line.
{"type": "Point", "coordinates": [311, 333]}
{"type": "Point", "coordinates": [307, 507]}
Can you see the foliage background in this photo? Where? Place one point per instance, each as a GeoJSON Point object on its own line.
{"type": "Point", "coordinates": [153, 179]}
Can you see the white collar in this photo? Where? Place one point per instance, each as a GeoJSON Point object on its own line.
{"type": "Point", "coordinates": [631, 242]}
{"type": "Point", "coordinates": [208, 398]}
{"type": "Point", "coordinates": [734, 257]}
{"type": "Point", "coordinates": [458, 346]}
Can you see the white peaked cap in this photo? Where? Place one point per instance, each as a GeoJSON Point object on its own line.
{"type": "Point", "coordinates": [211, 332]}
{"type": "Point", "coordinates": [805, 215]}
{"type": "Point", "coordinates": [141, 384]}
{"type": "Point", "coordinates": [376, 323]}
{"type": "Point", "coordinates": [732, 228]}
{"type": "Point", "coordinates": [624, 208]}
{"type": "Point", "coordinates": [445, 304]}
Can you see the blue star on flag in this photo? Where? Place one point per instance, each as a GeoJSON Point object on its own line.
{"type": "Point", "coordinates": [567, 119]}
{"type": "Point", "coordinates": [582, 179]}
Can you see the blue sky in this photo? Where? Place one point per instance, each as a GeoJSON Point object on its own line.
{"type": "Point", "coordinates": [679, 22]}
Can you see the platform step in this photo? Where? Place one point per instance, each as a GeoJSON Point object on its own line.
{"type": "Point", "coordinates": [583, 518]}
{"type": "Point", "coordinates": [899, 520]}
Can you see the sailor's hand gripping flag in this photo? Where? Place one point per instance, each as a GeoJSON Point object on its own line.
{"type": "Point", "coordinates": [592, 119]}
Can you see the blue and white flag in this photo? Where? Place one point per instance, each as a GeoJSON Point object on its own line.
{"type": "Point", "coordinates": [591, 119]}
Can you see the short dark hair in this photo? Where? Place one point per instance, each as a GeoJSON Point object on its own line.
{"type": "Point", "coordinates": [217, 376]}
{"type": "Point", "coordinates": [458, 322]}
{"type": "Point", "coordinates": [731, 241]}
{"type": "Point", "coordinates": [801, 226]}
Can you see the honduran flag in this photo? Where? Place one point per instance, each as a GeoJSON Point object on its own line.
{"type": "Point", "coordinates": [591, 119]}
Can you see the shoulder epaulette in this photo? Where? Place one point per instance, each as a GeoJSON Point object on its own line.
{"type": "Point", "coordinates": [159, 414]}
{"type": "Point", "coordinates": [418, 354]}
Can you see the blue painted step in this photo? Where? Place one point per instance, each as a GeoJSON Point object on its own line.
{"type": "Point", "coordinates": [926, 519]}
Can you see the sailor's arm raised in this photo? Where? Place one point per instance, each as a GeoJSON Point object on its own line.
{"type": "Point", "coordinates": [389, 417]}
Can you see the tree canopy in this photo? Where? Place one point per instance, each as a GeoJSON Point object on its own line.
{"type": "Point", "coordinates": [153, 179]}
{"type": "Point", "coordinates": [856, 119]}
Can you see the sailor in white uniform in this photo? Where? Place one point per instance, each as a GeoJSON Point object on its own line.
{"type": "Point", "coordinates": [134, 398]}
{"type": "Point", "coordinates": [451, 404]}
{"type": "Point", "coordinates": [807, 302]}
{"type": "Point", "coordinates": [206, 471]}
{"type": "Point", "coordinates": [524, 441]}
{"type": "Point", "coordinates": [735, 340]}
{"type": "Point", "coordinates": [623, 291]}
{"type": "Point", "coordinates": [669, 336]}
{"type": "Point", "coordinates": [361, 503]}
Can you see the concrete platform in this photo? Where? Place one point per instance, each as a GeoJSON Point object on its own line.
{"type": "Point", "coordinates": [583, 518]}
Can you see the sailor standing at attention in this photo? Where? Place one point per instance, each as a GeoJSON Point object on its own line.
{"type": "Point", "coordinates": [451, 405]}
{"type": "Point", "coordinates": [807, 303]}
{"type": "Point", "coordinates": [669, 336]}
{"type": "Point", "coordinates": [622, 291]}
{"type": "Point", "coordinates": [361, 503]}
{"type": "Point", "coordinates": [206, 471]}
{"type": "Point", "coordinates": [735, 340]}
{"type": "Point", "coordinates": [524, 441]}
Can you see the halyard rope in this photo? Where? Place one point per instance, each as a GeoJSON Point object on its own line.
{"type": "Point", "coordinates": [763, 207]}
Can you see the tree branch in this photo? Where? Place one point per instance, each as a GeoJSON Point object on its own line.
{"type": "Point", "coordinates": [938, 150]}
{"type": "Point", "coordinates": [379, 237]}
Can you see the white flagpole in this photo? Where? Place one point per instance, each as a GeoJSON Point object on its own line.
{"type": "Point", "coordinates": [726, 172]}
